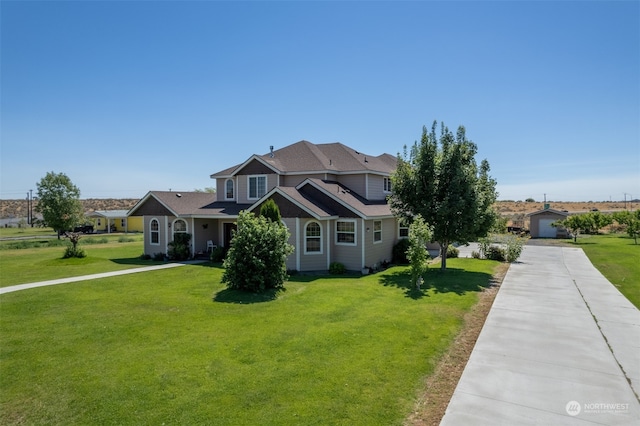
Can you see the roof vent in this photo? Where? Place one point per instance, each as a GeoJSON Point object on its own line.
{"type": "Point", "coordinates": [179, 195]}
{"type": "Point", "coordinates": [271, 153]}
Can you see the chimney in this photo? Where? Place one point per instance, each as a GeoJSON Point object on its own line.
{"type": "Point", "coordinates": [271, 153]}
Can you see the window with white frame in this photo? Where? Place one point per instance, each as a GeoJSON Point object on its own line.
{"type": "Point", "coordinates": [228, 190]}
{"type": "Point", "coordinates": [377, 231]}
{"type": "Point", "coordinates": [179, 227]}
{"type": "Point", "coordinates": [403, 229]}
{"type": "Point", "coordinates": [346, 232]}
{"type": "Point", "coordinates": [386, 184]}
{"type": "Point", "coordinates": [154, 231]}
{"type": "Point", "coordinates": [257, 187]}
{"type": "Point", "coordinates": [313, 238]}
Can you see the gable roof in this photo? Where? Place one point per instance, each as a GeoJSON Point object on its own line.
{"type": "Point", "coordinates": [189, 204]}
{"type": "Point", "coordinates": [558, 212]}
{"type": "Point", "coordinates": [305, 157]}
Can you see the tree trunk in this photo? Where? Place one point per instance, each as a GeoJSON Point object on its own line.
{"type": "Point", "coordinates": [443, 256]}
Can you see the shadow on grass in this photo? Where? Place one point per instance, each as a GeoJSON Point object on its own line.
{"type": "Point", "coordinates": [245, 297]}
{"type": "Point", "coordinates": [453, 280]}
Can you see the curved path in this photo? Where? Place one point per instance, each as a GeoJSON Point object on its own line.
{"type": "Point", "coordinates": [560, 346]}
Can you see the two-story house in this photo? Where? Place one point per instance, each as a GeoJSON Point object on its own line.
{"type": "Point", "coordinates": [332, 198]}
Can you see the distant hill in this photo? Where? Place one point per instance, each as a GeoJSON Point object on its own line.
{"type": "Point", "coordinates": [18, 208]}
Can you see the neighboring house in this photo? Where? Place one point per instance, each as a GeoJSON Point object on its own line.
{"type": "Point", "coordinates": [333, 200]}
{"type": "Point", "coordinates": [541, 220]}
{"type": "Point", "coordinates": [115, 221]}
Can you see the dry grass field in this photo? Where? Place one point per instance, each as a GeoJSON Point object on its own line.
{"type": "Point", "coordinates": [18, 208]}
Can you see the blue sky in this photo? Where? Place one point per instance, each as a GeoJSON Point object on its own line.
{"type": "Point", "coordinates": [127, 97]}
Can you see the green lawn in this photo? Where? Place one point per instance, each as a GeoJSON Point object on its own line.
{"type": "Point", "coordinates": [617, 258]}
{"type": "Point", "coordinates": [41, 259]}
{"type": "Point", "coordinates": [176, 347]}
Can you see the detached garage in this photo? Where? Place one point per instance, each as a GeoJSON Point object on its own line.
{"type": "Point", "coordinates": [540, 223]}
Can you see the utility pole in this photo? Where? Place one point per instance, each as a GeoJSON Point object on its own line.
{"type": "Point", "coordinates": [625, 200]}
{"type": "Point", "coordinates": [31, 207]}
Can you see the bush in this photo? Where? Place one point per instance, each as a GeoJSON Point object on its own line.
{"type": "Point", "coordinates": [124, 239]}
{"type": "Point", "coordinates": [400, 252]}
{"type": "Point", "coordinates": [257, 258]}
{"type": "Point", "coordinates": [476, 254]}
{"type": "Point", "coordinates": [179, 248]}
{"type": "Point", "coordinates": [452, 252]}
{"type": "Point", "coordinates": [145, 257]}
{"type": "Point", "coordinates": [72, 251]}
{"type": "Point", "coordinates": [158, 256]}
{"type": "Point", "coordinates": [495, 253]}
{"type": "Point", "coordinates": [514, 249]}
{"type": "Point", "coordinates": [217, 255]}
{"type": "Point", "coordinates": [337, 268]}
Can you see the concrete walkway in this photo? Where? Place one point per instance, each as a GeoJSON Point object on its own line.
{"type": "Point", "coordinates": [19, 287]}
{"type": "Point", "coordinates": [560, 346]}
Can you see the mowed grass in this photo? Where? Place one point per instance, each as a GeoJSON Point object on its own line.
{"type": "Point", "coordinates": [176, 347]}
{"type": "Point", "coordinates": [617, 257]}
{"type": "Point", "coordinates": [40, 262]}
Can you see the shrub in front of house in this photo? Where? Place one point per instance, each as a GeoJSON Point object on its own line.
{"type": "Point", "coordinates": [400, 252]}
{"type": "Point", "coordinates": [256, 261]}
{"type": "Point", "coordinates": [337, 268]}
{"type": "Point", "coordinates": [217, 255]}
{"type": "Point", "coordinates": [158, 257]}
{"type": "Point", "coordinates": [179, 247]}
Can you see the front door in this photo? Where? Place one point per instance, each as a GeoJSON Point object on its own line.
{"type": "Point", "coordinates": [228, 233]}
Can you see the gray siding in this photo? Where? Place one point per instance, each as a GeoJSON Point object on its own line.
{"type": "Point", "coordinates": [376, 253]}
{"type": "Point", "coordinates": [376, 188]}
{"type": "Point", "coordinates": [356, 183]}
{"type": "Point", "coordinates": [242, 190]}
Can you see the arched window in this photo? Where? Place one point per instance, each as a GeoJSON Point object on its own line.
{"type": "Point", "coordinates": [313, 238]}
{"type": "Point", "coordinates": [228, 190]}
{"type": "Point", "coordinates": [179, 227]}
{"type": "Point", "coordinates": [154, 231]}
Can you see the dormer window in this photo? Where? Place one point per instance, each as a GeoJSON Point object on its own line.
{"type": "Point", "coordinates": [228, 190]}
{"type": "Point", "coordinates": [386, 184]}
{"type": "Point", "coordinates": [257, 187]}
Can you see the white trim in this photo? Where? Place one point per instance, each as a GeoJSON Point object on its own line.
{"type": "Point", "coordinates": [166, 233]}
{"type": "Point", "coordinates": [362, 250]}
{"type": "Point", "coordinates": [374, 232]}
{"type": "Point", "coordinates": [399, 226]}
{"type": "Point", "coordinates": [366, 185]}
{"type": "Point", "coordinates": [355, 232]}
{"type": "Point", "coordinates": [266, 186]}
{"type": "Point", "coordinates": [321, 238]}
{"type": "Point", "coordinates": [328, 244]}
{"type": "Point", "coordinates": [151, 243]}
{"type": "Point", "coordinates": [298, 243]}
{"type": "Point", "coordinates": [233, 190]}
{"type": "Point", "coordinates": [386, 179]}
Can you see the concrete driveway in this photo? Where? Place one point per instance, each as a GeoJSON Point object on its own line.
{"type": "Point", "coordinates": [561, 345]}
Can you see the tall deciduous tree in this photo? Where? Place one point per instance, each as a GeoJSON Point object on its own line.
{"type": "Point", "coordinates": [59, 202]}
{"type": "Point", "coordinates": [440, 180]}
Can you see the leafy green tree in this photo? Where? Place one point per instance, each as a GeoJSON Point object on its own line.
{"type": "Point", "coordinates": [631, 222]}
{"type": "Point", "coordinates": [573, 224]}
{"type": "Point", "coordinates": [597, 221]}
{"type": "Point", "coordinates": [417, 254]}
{"type": "Point", "coordinates": [440, 181]}
{"type": "Point", "coordinates": [271, 211]}
{"type": "Point", "coordinates": [256, 260]}
{"type": "Point", "coordinates": [59, 202]}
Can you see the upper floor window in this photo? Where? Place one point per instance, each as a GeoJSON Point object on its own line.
{"type": "Point", "coordinates": [346, 232]}
{"type": "Point", "coordinates": [313, 238]}
{"type": "Point", "coordinates": [377, 231]}
{"type": "Point", "coordinates": [386, 184]}
{"type": "Point", "coordinates": [257, 187]}
{"type": "Point", "coordinates": [154, 228]}
{"type": "Point", "coordinates": [228, 190]}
